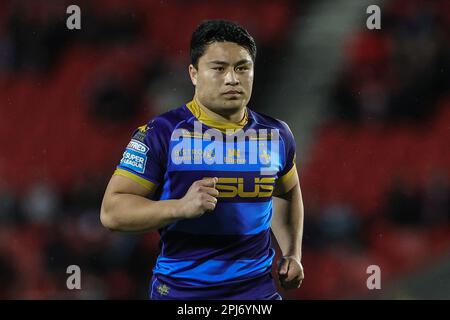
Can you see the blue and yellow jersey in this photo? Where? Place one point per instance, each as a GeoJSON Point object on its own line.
{"type": "Point", "coordinates": [228, 249]}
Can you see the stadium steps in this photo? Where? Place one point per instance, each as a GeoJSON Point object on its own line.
{"type": "Point", "coordinates": [311, 64]}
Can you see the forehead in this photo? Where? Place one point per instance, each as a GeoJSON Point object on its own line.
{"type": "Point", "coordinates": [225, 51]}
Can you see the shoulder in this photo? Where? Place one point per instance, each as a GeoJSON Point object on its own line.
{"type": "Point", "coordinates": [170, 120]}
{"type": "Point", "coordinates": [160, 127]}
{"type": "Point", "coordinates": [273, 123]}
{"type": "Point", "coordinates": [166, 122]}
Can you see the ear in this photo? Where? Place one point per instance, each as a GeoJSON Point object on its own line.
{"type": "Point", "coordinates": [193, 74]}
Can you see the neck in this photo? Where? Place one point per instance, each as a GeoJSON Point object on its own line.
{"type": "Point", "coordinates": [234, 116]}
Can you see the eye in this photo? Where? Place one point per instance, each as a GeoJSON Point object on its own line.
{"type": "Point", "coordinates": [218, 68]}
{"type": "Point", "coordinates": [242, 68]}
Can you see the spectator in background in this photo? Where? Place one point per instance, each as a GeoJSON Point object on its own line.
{"type": "Point", "coordinates": [7, 204]}
{"type": "Point", "coordinates": [399, 72]}
{"type": "Point", "coordinates": [112, 102]}
{"type": "Point", "coordinates": [8, 277]}
{"type": "Point", "coordinates": [404, 204]}
{"type": "Point", "coordinates": [340, 225]}
{"type": "Point", "coordinates": [6, 52]}
{"type": "Point", "coordinates": [102, 27]}
{"type": "Point", "coordinates": [41, 203]}
{"type": "Point", "coordinates": [85, 193]}
{"type": "Point", "coordinates": [313, 236]}
{"type": "Point", "coordinates": [436, 200]}
{"type": "Point", "coordinates": [37, 37]}
{"type": "Point", "coordinates": [38, 34]}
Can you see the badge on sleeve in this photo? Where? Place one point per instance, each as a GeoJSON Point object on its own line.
{"type": "Point", "coordinates": [135, 155]}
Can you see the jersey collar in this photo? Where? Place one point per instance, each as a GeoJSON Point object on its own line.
{"type": "Point", "coordinates": [213, 123]}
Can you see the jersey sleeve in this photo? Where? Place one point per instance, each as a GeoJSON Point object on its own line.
{"type": "Point", "coordinates": [287, 176]}
{"type": "Point", "coordinates": [143, 158]}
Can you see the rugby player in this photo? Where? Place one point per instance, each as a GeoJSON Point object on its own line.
{"type": "Point", "coordinates": [213, 198]}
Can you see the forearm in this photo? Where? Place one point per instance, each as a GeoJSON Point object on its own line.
{"type": "Point", "coordinates": [287, 223]}
{"type": "Point", "coordinates": [132, 213]}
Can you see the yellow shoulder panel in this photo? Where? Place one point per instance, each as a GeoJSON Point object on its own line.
{"type": "Point", "coordinates": [287, 182]}
{"type": "Point", "coordinates": [145, 183]}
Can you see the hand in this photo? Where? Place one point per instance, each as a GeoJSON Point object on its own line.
{"type": "Point", "coordinates": [290, 272]}
{"type": "Point", "coordinates": [201, 197]}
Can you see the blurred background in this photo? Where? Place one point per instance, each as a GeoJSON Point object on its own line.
{"type": "Point", "coordinates": [370, 110]}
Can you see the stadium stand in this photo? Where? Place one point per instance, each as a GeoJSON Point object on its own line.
{"type": "Point", "coordinates": [62, 133]}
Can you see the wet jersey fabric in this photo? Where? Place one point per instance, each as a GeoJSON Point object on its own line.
{"type": "Point", "coordinates": [226, 253]}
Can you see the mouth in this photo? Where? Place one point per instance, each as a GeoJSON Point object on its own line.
{"type": "Point", "coordinates": [233, 92]}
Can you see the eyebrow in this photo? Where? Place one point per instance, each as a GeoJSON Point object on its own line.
{"type": "Point", "coordinates": [224, 63]}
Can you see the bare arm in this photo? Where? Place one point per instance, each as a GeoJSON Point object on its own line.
{"type": "Point", "coordinates": [287, 227]}
{"type": "Point", "coordinates": [126, 208]}
{"type": "Point", "coordinates": [287, 222]}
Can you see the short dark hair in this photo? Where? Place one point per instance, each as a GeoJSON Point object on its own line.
{"type": "Point", "coordinates": [210, 31]}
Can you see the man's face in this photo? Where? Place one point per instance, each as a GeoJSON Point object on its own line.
{"type": "Point", "coordinates": [224, 77]}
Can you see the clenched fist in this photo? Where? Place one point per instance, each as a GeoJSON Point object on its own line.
{"type": "Point", "coordinates": [201, 197]}
{"type": "Point", "coordinates": [290, 272]}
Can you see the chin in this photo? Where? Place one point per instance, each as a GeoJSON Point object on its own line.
{"type": "Point", "coordinates": [233, 103]}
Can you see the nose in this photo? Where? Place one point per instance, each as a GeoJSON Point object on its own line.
{"type": "Point", "coordinates": [231, 78]}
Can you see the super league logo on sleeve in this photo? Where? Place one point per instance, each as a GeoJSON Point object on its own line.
{"type": "Point", "coordinates": [137, 146]}
{"type": "Point", "coordinates": [134, 160]}
{"type": "Point", "coordinates": [135, 155]}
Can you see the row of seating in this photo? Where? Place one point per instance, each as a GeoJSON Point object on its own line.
{"type": "Point", "coordinates": [53, 109]}
{"type": "Point", "coordinates": [357, 164]}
